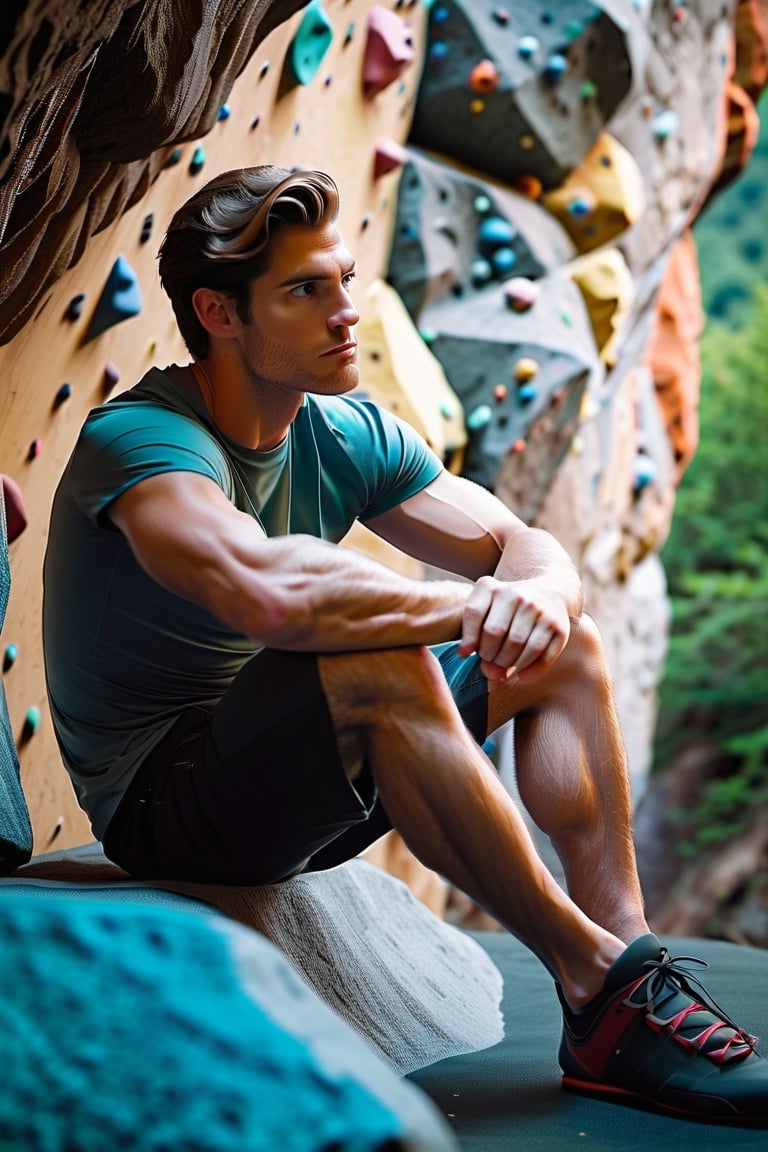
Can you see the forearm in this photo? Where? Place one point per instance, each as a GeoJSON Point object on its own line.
{"type": "Point", "coordinates": [299, 593]}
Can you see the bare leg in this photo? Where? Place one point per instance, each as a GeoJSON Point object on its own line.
{"type": "Point", "coordinates": [446, 800]}
{"type": "Point", "coordinates": [572, 777]}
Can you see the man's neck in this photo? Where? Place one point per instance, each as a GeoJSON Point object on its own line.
{"type": "Point", "coordinates": [258, 419]}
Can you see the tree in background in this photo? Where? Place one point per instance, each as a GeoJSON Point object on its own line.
{"type": "Point", "coordinates": [715, 689]}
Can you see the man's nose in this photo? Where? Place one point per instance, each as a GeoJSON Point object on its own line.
{"type": "Point", "coordinates": [346, 315]}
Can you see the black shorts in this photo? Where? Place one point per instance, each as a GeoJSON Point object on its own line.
{"type": "Point", "coordinates": [255, 791]}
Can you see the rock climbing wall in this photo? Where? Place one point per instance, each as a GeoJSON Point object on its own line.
{"type": "Point", "coordinates": [518, 183]}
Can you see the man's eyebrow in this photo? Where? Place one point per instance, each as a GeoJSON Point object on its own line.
{"type": "Point", "coordinates": [308, 276]}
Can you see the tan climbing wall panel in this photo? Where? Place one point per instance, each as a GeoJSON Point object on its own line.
{"type": "Point", "coordinates": [326, 123]}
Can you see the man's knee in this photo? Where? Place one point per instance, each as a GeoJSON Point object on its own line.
{"type": "Point", "coordinates": [584, 654]}
{"type": "Point", "coordinates": [359, 685]}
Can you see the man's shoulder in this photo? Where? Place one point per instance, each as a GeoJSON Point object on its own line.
{"type": "Point", "coordinates": [153, 405]}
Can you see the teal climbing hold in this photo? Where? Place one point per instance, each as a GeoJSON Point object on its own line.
{"type": "Point", "coordinates": [665, 124]}
{"type": "Point", "coordinates": [198, 160]}
{"type": "Point", "coordinates": [479, 418]}
{"type": "Point", "coordinates": [119, 300]}
{"type": "Point", "coordinates": [224, 112]}
{"type": "Point", "coordinates": [644, 471]}
{"type": "Point", "coordinates": [481, 271]}
{"type": "Point", "coordinates": [31, 722]}
{"type": "Point", "coordinates": [9, 656]}
{"type": "Point", "coordinates": [482, 204]}
{"type": "Point", "coordinates": [310, 44]}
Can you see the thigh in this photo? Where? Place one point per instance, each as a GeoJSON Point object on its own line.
{"type": "Point", "coordinates": [249, 793]}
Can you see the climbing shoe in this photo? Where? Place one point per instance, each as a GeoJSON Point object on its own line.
{"type": "Point", "coordinates": [656, 1039]}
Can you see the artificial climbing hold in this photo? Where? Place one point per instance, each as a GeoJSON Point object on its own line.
{"type": "Point", "coordinates": [484, 77]}
{"type": "Point", "coordinates": [63, 393]}
{"type": "Point", "coordinates": [224, 112]}
{"type": "Point", "coordinates": [526, 393]}
{"type": "Point", "coordinates": [504, 260]}
{"type": "Point", "coordinates": [146, 228]}
{"type": "Point", "coordinates": [479, 418]}
{"type": "Point", "coordinates": [494, 232]}
{"type": "Point", "coordinates": [310, 44]}
{"type": "Point", "coordinates": [555, 68]}
{"type": "Point", "coordinates": [529, 186]}
{"type": "Point", "coordinates": [9, 656]}
{"type": "Point", "coordinates": [527, 47]}
{"type": "Point", "coordinates": [120, 299]}
{"type": "Point", "coordinates": [111, 376]}
{"type": "Point", "coordinates": [521, 293]}
{"type": "Point", "coordinates": [389, 49]}
{"type": "Point", "coordinates": [173, 158]}
{"type": "Point", "coordinates": [31, 723]}
{"type": "Point", "coordinates": [35, 448]}
{"type": "Point", "coordinates": [480, 271]}
{"type": "Point", "coordinates": [390, 154]}
{"type": "Point", "coordinates": [665, 124]}
{"type": "Point", "coordinates": [644, 472]}
{"type": "Point", "coordinates": [525, 369]}
{"type": "Point", "coordinates": [197, 162]}
{"type": "Point", "coordinates": [75, 306]}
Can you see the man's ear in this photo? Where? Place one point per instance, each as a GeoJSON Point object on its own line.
{"type": "Point", "coordinates": [215, 311]}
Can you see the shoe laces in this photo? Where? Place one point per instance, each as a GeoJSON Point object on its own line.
{"type": "Point", "coordinates": [697, 1023]}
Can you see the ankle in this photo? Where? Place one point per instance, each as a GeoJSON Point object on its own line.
{"type": "Point", "coordinates": [582, 979]}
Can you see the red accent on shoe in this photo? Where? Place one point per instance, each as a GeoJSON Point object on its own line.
{"type": "Point", "coordinates": [737, 1045]}
{"type": "Point", "coordinates": [593, 1054]}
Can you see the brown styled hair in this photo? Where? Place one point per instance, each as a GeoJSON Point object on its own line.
{"type": "Point", "coordinates": [220, 238]}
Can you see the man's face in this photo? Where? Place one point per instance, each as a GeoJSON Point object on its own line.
{"type": "Point", "coordinates": [300, 336]}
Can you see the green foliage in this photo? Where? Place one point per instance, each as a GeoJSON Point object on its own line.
{"type": "Point", "coordinates": [716, 681]}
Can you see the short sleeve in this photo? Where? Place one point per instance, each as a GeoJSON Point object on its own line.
{"type": "Point", "coordinates": [123, 443]}
{"type": "Point", "coordinates": [387, 460]}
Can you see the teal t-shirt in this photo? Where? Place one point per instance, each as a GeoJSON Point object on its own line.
{"type": "Point", "coordinates": [125, 656]}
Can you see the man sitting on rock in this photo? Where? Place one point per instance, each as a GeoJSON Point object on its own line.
{"type": "Point", "coordinates": [240, 697]}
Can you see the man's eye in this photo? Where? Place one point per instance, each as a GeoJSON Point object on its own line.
{"type": "Point", "coordinates": [303, 290]}
{"type": "Point", "coordinates": [348, 279]}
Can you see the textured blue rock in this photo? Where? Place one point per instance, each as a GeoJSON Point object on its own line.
{"type": "Point", "coordinates": [128, 1026]}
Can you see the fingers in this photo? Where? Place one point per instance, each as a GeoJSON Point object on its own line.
{"type": "Point", "coordinates": [513, 628]}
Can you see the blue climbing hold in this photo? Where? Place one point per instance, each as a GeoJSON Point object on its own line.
{"type": "Point", "coordinates": [119, 300]}
{"type": "Point", "coordinates": [504, 260]}
{"type": "Point", "coordinates": [494, 232]}
{"type": "Point", "coordinates": [555, 68]}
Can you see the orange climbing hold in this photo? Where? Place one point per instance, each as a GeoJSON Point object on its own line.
{"type": "Point", "coordinates": [484, 77]}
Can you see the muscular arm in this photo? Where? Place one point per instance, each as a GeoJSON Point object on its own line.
{"type": "Point", "coordinates": [292, 592]}
{"type": "Point", "coordinates": [526, 590]}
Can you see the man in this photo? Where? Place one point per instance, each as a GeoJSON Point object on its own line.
{"type": "Point", "coordinates": [238, 697]}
